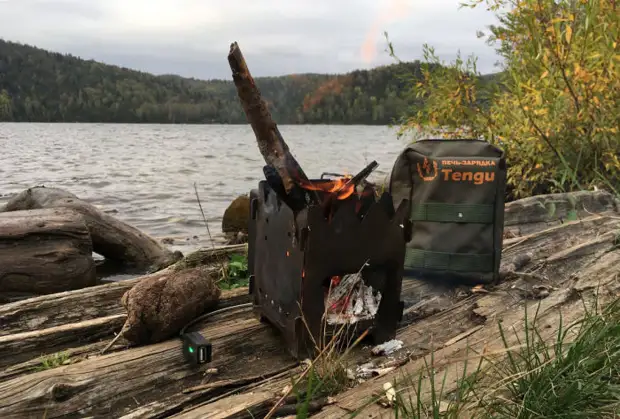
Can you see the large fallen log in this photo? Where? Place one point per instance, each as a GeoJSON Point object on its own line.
{"type": "Point", "coordinates": [43, 325]}
{"type": "Point", "coordinates": [45, 251]}
{"type": "Point", "coordinates": [536, 213]}
{"type": "Point", "coordinates": [111, 238]}
{"type": "Point", "coordinates": [250, 348]}
{"type": "Point", "coordinates": [598, 284]}
{"type": "Point", "coordinates": [586, 250]}
{"type": "Point", "coordinates": [70, 340]}
{"type": "Point", "coordinates": [152, 318]}
{"type": "Point", "coordinates": [121, 381]}
{"type": "Point", "coordinates": [98, 301]}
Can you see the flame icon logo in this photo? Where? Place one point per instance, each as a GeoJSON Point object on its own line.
{"type": "Point", "coordinates": [427, 171]}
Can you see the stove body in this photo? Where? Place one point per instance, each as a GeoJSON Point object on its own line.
{"type": "Point", "coordinates": [293, 256]}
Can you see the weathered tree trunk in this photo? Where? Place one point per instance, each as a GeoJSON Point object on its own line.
{"type": "Point", "coordinates": [45, 251]}
{"type": "Point", "coordinates": [111, 238]}
{"type": "Point", "coordinates": [22, 347]}
{"type": "Point", "coordinates": [102, 300]}
{"type": "Point", "coordinates": [56, 322]}
{"type": "Point", "coordinates": [243, 347]}
{"type": "Point", "coordinates": [272, 146]}
{"type": "Point", "coordinates": [106, 386]}
{"type": "Point", "coordinates": [536, 213]}
{"type": "Point", "coordinates": [462, 327]}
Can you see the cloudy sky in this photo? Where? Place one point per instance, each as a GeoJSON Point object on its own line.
{"type": "Point", "coordinates": [192, 37]}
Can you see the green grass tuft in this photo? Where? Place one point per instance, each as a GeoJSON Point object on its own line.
{"type": "Point", "coordinates": [576, 374]}
{"type": "Point", "coordinates": [235, 274]}
{"type": "Point", "coordinates": [53, 361]}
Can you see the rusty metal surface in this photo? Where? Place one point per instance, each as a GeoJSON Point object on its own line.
{"type": "Point", "coordinates": [292, 256]}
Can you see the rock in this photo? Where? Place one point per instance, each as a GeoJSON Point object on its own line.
{"type": "Point", "coordinates": [237, 216]}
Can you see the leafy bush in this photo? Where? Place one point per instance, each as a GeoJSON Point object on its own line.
{"type": "Point", "coordinates": [554, 108]}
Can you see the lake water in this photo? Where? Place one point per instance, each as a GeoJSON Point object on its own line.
{"type": "Point", "coordinates": [145, 174]}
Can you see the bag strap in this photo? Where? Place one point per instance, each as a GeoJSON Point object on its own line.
{"type": "Point", "coordinates": [453, 213]}
{"type": "Point", "coordinates": [458, 262]}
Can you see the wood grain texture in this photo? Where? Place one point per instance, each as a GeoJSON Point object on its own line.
{"type": "Point", "coordinates": [572, 260]}
{"type": "Point", "coordinates": [271, 144]}
{"type": "Point", "coordinates": [111, 238]}
{"type": "Point", "coordinates": [102, 300]}
{"type": "Point", "coordinates": [45, 251]}
{"type": "Point", "coordinates": [454, 319]}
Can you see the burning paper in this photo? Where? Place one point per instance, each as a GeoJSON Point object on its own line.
{"type": "Point", "coordinates": [350, 300]}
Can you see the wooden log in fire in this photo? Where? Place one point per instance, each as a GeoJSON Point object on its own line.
{"type": "Point", "coordinates": [45, 251]}
{"type": "Point", "coordinates": [111, 238]}
{"type": "Point", "coordinates": [271, 144]}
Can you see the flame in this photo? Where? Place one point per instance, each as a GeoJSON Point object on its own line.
{"type": "Point", "coordinates": [344, 302]}
{"type": "Point", "coordinates": [397, 9]}
{"type": "Point", "coordinates": [338, 186]}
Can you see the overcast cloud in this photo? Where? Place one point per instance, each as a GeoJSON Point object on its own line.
{"type": "Point", "coordinates": [192, 37]}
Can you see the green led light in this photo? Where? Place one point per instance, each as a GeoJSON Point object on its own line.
{"type": "Point", "coordinates": [191, 350]}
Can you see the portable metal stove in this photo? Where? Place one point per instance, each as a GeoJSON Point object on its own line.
{"type": "Point", "coordinates": [293, 256]}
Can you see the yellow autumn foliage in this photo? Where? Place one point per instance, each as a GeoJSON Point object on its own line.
{"type": "Point", "coordinates": [555, 106]}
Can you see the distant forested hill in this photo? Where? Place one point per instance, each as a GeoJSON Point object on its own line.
{"type": "Point", "coordinates": [42, 86]}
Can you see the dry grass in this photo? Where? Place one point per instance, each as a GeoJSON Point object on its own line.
{"type": "Point", "coordinates": [577, 375]}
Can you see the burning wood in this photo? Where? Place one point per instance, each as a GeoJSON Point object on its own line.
{"type": "Point", "coordinates": [341, 188]}
{"type": "Point", "coordinates": [350, 300]}
{"type": "Point", "coordinates": [272, 146]}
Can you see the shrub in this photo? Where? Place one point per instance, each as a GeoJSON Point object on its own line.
{"type": "Point", "coordinates": [554, 107]}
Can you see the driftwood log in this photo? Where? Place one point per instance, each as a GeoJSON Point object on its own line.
{"type": "Point", "coordinates": [58, 322]}
{"type": "Point", "coordinates": [111, 238]}
{"type": "Point", "coordinates": [591, 278]}
{"type": "Point", "coordinates": [568, 260]}
{"type": "Point", "coordinates": [45, 251]}
{"type": "Point", "coordinates": [289, 175]}
{"type": "Point", "coordinates": [575, 260]}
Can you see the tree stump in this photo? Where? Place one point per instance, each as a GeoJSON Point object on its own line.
{"type": "Point", "coordinates": [45, 251]}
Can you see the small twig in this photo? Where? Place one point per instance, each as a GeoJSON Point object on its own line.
{"type": "Point", "coordinates": [313, 406]}
{"type": "Point", "coordinates": [303, 374]}
{"type": "Point", "coordinates": [123, 329]}
{"type": "Point", "coordinates": [224, 272]}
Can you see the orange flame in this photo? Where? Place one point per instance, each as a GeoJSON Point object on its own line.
{"type": "Point", "coordinates": [397, 9]}
{"type": "Point", "coordinates": [338, 186]}
{"type": "Point", "coordinates": [343, 303]}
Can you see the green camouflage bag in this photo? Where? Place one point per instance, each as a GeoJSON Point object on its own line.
{"type": "Point", "coordinates": [456, 194]}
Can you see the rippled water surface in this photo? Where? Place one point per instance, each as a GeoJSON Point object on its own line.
{"type": "Point", "coordinates": [144, 174]}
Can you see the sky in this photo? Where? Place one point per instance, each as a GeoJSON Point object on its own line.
{"type": "Point", "coordinates": [192, 37]}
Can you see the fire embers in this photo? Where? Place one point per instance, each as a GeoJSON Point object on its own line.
{"type": "Point", "coordinates": [349, 300]}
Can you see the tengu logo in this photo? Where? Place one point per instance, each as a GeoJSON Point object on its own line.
{"type": "Point", "coordinates": [427, 171]}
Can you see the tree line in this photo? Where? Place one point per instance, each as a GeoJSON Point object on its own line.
{"type": "Point", "coordinates": [41, 86]}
